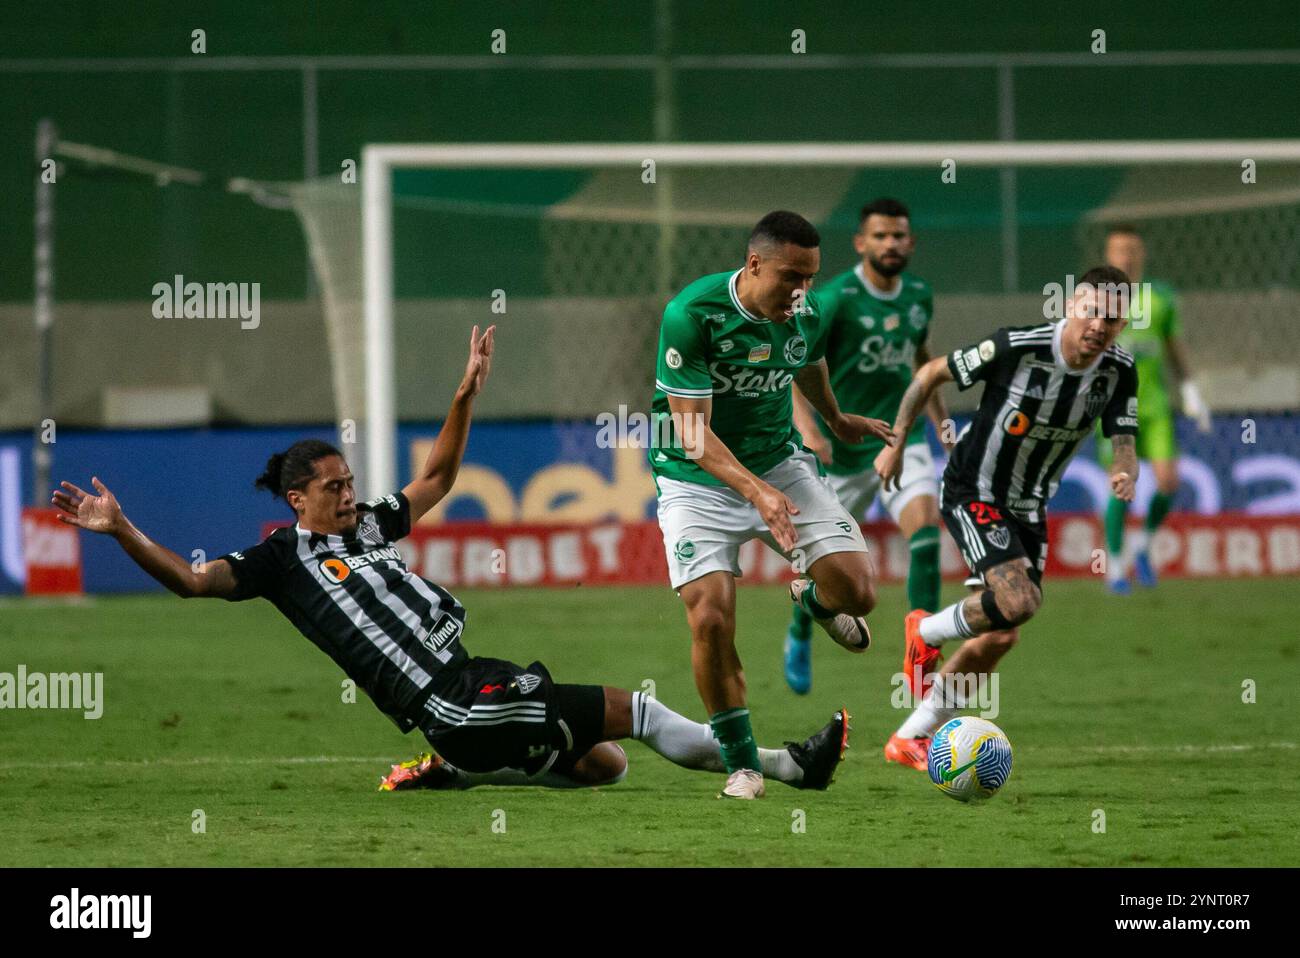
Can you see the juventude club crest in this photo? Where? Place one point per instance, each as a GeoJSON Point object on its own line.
{"type": "Point", "coordinates": [999, 536]}
{"type": "Point", "coordinates": [684, 550]}
{"type": "Point", "coordinates": [795, 349]}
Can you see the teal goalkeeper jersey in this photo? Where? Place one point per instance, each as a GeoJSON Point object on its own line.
{"type": "Point", "coordinates": [711, 346]}
{"type": "Point", "coordinates": [871, 344]}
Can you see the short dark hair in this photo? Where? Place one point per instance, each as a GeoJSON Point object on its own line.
{"type": "Point", "coordinates": [1102, 276]}
{"type": "Point", "coordinates": [1123, 229]}
{"type": "Point", "coordinates": [295, 467]}
{"type": "Point", "coordinates": [782, 226]}
{"type": "Point", "coordinates": [883, 206]}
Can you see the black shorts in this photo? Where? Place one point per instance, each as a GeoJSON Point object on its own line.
{"type": "Point", "coordinates": [989, 535]}
{"type": "Point", "coordinates": [494, 714]}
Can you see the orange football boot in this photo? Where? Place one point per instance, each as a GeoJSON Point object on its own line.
{"type": "Point", "coordinates": [919, 659]}
{"type": "Point", "coordinates": [423, 771]}
{"type": "Point", "coordinates": [908, 751]}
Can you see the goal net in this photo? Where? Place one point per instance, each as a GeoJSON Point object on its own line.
{"type": "Point", "coordinates": [572, 251]}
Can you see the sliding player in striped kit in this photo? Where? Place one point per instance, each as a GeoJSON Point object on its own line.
{"type": "Point", "coordinates": [338, 576]}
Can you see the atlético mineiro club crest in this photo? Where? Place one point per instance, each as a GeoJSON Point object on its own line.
{"type": "Point", "coordinates": [528, 682]}
{"type": "Point", "coordinates": [998, 536]}
{"type": "Point", "coordinates": [1096, 400]}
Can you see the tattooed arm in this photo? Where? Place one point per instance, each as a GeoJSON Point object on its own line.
{"type": "Point", "coordinates": [889, 464]}
{"type": "Point", "coordinates": [1124, 467]}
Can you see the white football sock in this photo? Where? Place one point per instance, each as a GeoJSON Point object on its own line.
{"type": "Point", "coordinates": [1116, 568]}
{"type": "Point", "coordinates": [949, 623]}
{"type": "Point", "coordinates": [1138, 541]}
{"type": "Point", "coordinates": [692, 745]}
{"type": "Point", "coordinates": [929, 715]}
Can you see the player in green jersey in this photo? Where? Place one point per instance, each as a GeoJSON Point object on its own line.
{"type": "Point", "coordinates": [1154, 337]}
{"type": "Point", "coordinates": [879, 322]}
{"type": "Point", "coordinates": [735, 467]}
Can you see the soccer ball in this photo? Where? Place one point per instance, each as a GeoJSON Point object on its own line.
{"type": "Point", "coordinates": [970, 759]}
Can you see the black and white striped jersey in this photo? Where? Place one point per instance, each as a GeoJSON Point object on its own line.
{"type": "Point", "coordinates": [1034, 413]}
{"type": "Point", "coordinates": [390, 631]}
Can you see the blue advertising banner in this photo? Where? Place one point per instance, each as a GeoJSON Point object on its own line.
{"type": "Point", "coordinates": [192, 489]}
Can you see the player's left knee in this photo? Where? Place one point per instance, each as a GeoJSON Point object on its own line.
{"type": "Point", "coordinates": [605, 764]}
{"type": "Point", "coordinates": [859, 597]}
{"type": "Point", "coordinates": [863, 597]}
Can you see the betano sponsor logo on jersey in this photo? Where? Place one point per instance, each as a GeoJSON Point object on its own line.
{"type": "Point", "coordinates": [337, 569]}
{"type": "Point", "coordinates": [747, 382]}
{"type": "Point", "coordinates": [1016, 423]}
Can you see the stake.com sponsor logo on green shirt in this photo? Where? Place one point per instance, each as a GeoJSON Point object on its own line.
{"type": "Point", "coordinates": [711, 346]}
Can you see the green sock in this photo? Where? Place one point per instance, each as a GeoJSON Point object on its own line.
{"type": "Point", "coordinates": [1116, 510]}
{"type": "Point", "coordinates": [801, 624]}
{"type": "Point", "coordinates": [736, 738]}
{"type": "Point", "coordinates": [923, 571]}
{"type": "Point", "coordinates": [809, 601]}
{"type": "Point", "coordinates": [1157, 511]}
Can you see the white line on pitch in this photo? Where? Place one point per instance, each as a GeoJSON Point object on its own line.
{"type": "Point", "coordinates": [357, 760]}
{"type": "Point", "coordinates": [202, 760]}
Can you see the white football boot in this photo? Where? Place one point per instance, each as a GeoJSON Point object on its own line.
{"type": "Point", "coordinates": [849, 631]}
{"type": "Point", "coordinates": [744, 783]}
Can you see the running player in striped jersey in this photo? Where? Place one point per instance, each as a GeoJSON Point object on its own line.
{"type": "Point", "coordinates": [339, 577]}
{"type": "Point", "coordinates": [1044, 388]}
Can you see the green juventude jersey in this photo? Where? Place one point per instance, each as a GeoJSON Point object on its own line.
{"type": "Point", "coordinates": [871, 344]}
{"type": "Point", "coordinates": [1151, 324]}
{"type": "Point", "coordinates": [711, 346]}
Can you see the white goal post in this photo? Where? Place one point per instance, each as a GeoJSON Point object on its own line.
{"type": "Point", "coordinates": [380, 160]}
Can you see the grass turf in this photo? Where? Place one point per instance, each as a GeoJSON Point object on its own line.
{"type": "Point", "coordinates": [1128, 706]}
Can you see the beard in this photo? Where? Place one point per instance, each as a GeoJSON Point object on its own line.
{"type": "Point", "coordinates": [888, 267]}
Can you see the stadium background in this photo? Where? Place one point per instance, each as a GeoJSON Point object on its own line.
{"type": "Point", "coordinates": [290, 97]}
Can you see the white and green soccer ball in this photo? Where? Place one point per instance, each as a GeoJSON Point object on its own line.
{"type": "Point", "coordinates": [970, 759]}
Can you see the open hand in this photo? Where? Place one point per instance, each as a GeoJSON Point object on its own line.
{"type": "Point", "coordinates": [889, 466]}
{"type": "Point", "coordinates": [79, 508]}
{"type": "Point", "coordinates": [853, 429]}
{"type": "Point", "coordinates": [776, 508]}
{"type": "Point", "coordinates": [1123, 486]}
{"type": "Point", "coordinates": [480, 360]}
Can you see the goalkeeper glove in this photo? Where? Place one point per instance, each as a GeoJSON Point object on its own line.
{"type": "Point", "coordinates": [1194, 406]}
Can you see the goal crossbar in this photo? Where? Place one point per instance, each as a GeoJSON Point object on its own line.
{"type": "Point", "coordinates": [380, 159]}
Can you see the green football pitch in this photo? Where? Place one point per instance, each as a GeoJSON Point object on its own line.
{"type": "Point", "coordinates": [225, 740]}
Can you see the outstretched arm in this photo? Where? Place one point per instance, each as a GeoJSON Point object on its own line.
{"type": "Point", "coordinates": [440, 469]}
{"type": "Point", "coordinates": [814, 382]}
{"type": "Point", "coordinates": [889, 463]}
{"type": "Point", "coordinates": [936, 409]}
{"type": "Point", "coordinates": [807, 426]}
{"type": "Point", "coordinates": [712, 455]}
{"type": "Point", "coordinates": [102, 514]}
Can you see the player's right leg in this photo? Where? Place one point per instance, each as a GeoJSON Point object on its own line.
{"type": "Point", "coordinates": [974, 660]}
{"type": "Point", "coordinates": [720, 678]}
{"type": "Point", "coordinates": [593, 718]}
{"type": "Point", "coordinates": [1009, 555]}
{"type": "Point", "coordinates": [704, 528]}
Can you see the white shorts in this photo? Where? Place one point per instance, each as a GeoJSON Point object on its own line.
{"type": "Point", "coordinates": [705, 526]}
{"type": "Point", "coordinates": [857, 490]}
